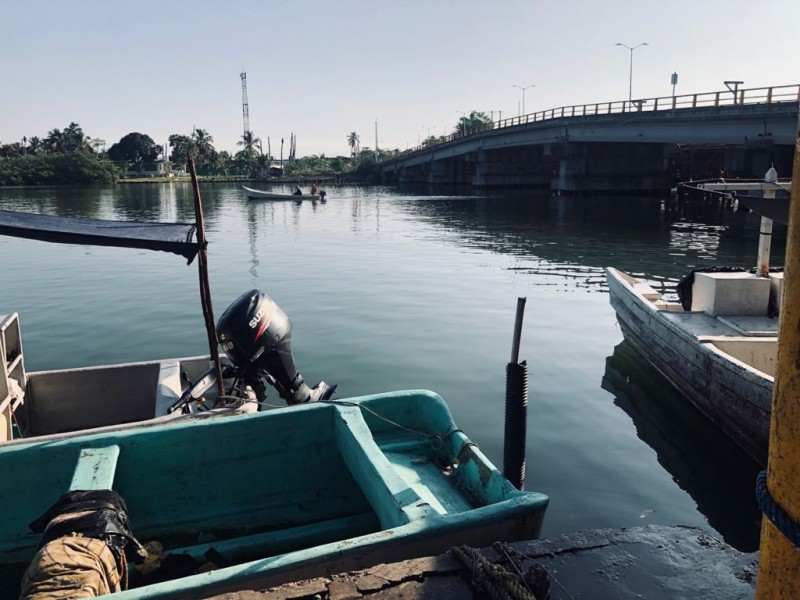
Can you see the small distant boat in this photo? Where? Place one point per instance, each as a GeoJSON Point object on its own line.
{"type": "Point", "coordinates": [263, 195]}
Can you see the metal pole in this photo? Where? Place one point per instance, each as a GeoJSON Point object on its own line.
{"type": "Point", "coordinates": [630, 68]}
{"type": "Point", "coordinates": [517, 330]}
{"type": "Point", "coordinates": [765, 235]}
{"type": "Point", "coordinates": [630, 77]}
{"type": "Point", "coordinates": [516, 418]}
{"type": "Point", "coordinates": [779, 562]}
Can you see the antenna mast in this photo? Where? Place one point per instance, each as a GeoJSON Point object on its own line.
{"type": "Point", "coordinates": [245, 108]}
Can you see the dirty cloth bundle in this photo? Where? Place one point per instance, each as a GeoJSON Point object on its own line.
{"type": "Point", "coordinates": [85, 548]}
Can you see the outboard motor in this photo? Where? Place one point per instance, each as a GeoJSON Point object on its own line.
{"type": "Point", "coordinates": [256, 336]}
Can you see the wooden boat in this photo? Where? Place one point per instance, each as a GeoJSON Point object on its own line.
{"type": "Point", "coordinates": [721, 354]}
{"type": "Point", "coordinates": [280, 495]}
{"type": "Point", "coordinates": [263, 195]}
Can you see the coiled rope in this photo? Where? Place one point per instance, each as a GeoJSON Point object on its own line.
{"type": "Point", "coordinates": [775, 513]}
{"type": "Point", "coordinates": [494, 579]}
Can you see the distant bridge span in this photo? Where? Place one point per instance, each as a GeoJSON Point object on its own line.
{"type": "Point", "coordinates": [616, 146]}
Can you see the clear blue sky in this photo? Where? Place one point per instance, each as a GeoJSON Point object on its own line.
{"type": "Point", "coordinates": [321, 69]}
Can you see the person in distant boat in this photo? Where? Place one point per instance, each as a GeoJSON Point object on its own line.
{"type": "Point", "coordinates": [298, 191]}
{"type": "Point", "coordinates": [313, 189]}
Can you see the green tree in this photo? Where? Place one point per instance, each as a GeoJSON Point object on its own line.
{"type": "Point", "coordinates": [353, 141]}
{"type": "Point", "coordinates": [181, 145]}
{"type": "Point", "coordinates": [249, 143]}
{"type": "Point", "coordinates": [475, 122]}
{"type": "Point", "coordinates": [34, 145]}
{"type": "Point", "coordinates": [204, 142]}
{"type": "Point", "coordinates": [11, 150]}
{"type": "Point", "coordinates": [55, 141]}
{"type": "Point", "coordinates": [136, 149]}
{"type": "Point", "coordinates": [74, 138]}
{"type": "Point", "coordinates": [57, 169]}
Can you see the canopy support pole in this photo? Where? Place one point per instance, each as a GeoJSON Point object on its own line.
{"type": "Point", "coordinates": [205, 286]}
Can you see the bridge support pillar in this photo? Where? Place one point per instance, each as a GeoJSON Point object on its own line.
{"type": "Point", "coordinates": [523, 167]}
{"type": "Point", "coordinates": [611, 167]}
{"type": "Point", "coordinates": [454, 171]}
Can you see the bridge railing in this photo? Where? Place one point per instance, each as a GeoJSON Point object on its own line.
{"type": "Point", "coordinates": [765, 95]}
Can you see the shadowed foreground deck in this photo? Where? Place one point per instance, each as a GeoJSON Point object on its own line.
{"type": "Point", "coordinates": [648, 562]}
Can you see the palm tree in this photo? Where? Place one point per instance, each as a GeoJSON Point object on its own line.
{"type": "Point", "coordinates": [55, 141]}
{"type": "Point", "coordinates": [74, 138]}
{"type": "Point", "coordinates": [352, 141]}
{"type": "Point", "coordinates": [34, 145]}
{"type": "Point", "coordinates": [205, 144]}
{"type": "Point", "coordinates": [249, 142]}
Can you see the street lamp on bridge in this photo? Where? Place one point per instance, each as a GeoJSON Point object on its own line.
{"type": "Point", "coordinates": [630, 70]}
{"type": "Point", "coordinates": [523, 95]}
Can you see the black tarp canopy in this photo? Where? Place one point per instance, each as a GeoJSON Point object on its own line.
{"type": "Point", "coordinates": [178, 238]}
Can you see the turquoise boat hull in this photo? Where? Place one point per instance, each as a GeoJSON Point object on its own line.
{"type": "Point", "coordinates": [281, 495]}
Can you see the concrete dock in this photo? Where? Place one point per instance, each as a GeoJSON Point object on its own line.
{"type": "Point", "coordinates": [654, 562]}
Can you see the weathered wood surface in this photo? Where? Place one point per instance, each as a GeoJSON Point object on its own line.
{"type": "Point", "coordinates": [667, 563]}
{"type": "Point", "coordinates": [729, 393]}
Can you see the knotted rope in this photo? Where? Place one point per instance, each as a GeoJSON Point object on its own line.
{"type": "Point", "coordinates": [494, 579]}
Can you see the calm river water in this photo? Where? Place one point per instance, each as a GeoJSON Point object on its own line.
{"type": "Point", "coordinates": [391, 290]}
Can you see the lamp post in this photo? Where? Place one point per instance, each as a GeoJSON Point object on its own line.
{"type": "Point", "coordinates": [523, 94]}
{"type": "Point", "coordinates": [630, 71]}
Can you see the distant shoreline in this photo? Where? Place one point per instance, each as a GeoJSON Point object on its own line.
{"type": "Point", "coordinates": [321, 180]}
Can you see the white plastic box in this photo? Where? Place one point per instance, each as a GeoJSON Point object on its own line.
{"type": "Point", "coordinates": [733, 294]}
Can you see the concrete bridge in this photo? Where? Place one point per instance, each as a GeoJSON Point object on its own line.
{"type": "Point", "coordinates": [639, 145]}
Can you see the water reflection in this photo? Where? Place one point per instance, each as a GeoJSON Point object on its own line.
{"type": "Point", "coordinates": [583, 235]}
{"type": "Point", "coordinates": [715, 472]}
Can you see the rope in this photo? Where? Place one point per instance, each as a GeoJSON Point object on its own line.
{"type": "Point", "coordinates": [506, 549]}
{"type": "Point", "coordinates": [436, 439]}
{"type": "Point", "coordinates": [494, 579]}
{"type": "Point", "coordinates": [775, 513]}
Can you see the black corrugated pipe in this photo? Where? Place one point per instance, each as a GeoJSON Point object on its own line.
{"type": "Point", "coordinates": [516, 424]}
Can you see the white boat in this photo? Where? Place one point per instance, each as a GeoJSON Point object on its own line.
{"type": "Point", "coordinates": [721, 354]}
{"type": "Point", "coordinates": [263, 195]}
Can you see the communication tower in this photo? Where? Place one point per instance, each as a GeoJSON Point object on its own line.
{"type": "Point", "coordinates": [245, 108]}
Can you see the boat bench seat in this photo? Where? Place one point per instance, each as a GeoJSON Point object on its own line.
{"type": "Point", "coordinates": [95, 469]}
{"type": "Point", "coordinates": [700, 324]}
{"type": "Point", "coordinates": [395, 502]}
{"type": "Point", "coordinates": [667, 305]}
{"type": "Point", "coordinates": [760, 326]}
{"type": "Point", "coordinates": [646, 291]}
